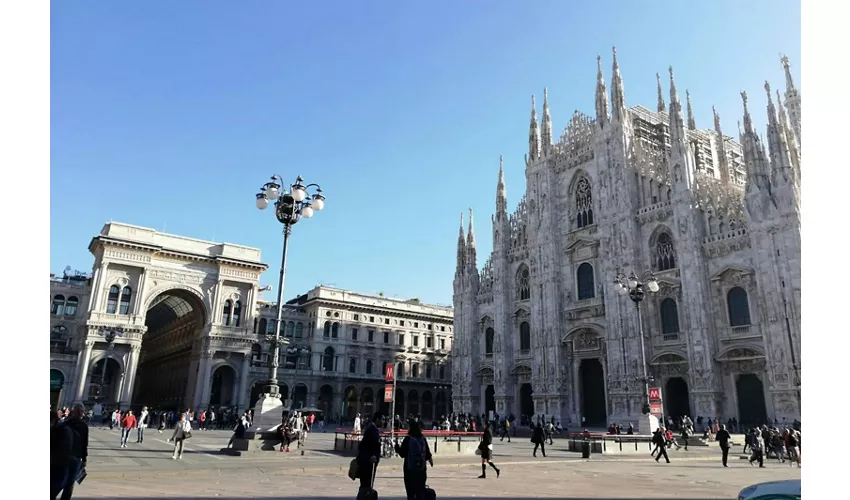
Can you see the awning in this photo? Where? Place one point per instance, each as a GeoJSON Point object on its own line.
{"type": "Point", "coordinates": [57, 380]}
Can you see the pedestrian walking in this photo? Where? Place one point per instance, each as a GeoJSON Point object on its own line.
{"type": "Point", "coordinates": [660, 441]}
{"type": "Point", "coordinates": [416, 454]}
{"type": "Point", "coordinates": [144, 419]}
{"type": "Point", "coordinates": [182, 432]}
{"type": "Point", "coordinates": [722, 437]}
{"type": "Point", "coordinates": [539, 439]}
{"type": "Point", "coordinates": [368, 457]}
{"type": "Point", "coordinates": [485, 449]}
{"type": "Point", "coordinates": [757, 448]}
{"type": "Point", "coordinates": [127, 424]}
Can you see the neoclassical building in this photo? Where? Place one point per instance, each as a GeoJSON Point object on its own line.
{"type": "Point", "coordinates": [541, 329]}
{"type": "Point", "coordinates": [175, 322]}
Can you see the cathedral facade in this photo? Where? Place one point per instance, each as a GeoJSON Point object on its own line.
{"type": "Point", "coordinates": [541, 329]}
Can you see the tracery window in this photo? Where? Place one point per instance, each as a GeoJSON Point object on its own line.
{"type": "Point", "coordinates": [112, 299]}
{"type": "Point", "coordinates": [584, 279]}
{"type": "Point", "coordinates": [488, 341]}
{"type": "Point", "coordinates": [665, 254]}
{"type": "Point", "coordinates": [124, 307]}
{"type": "Point", "coordinates": [524, 336]}
{"type": "Point", "coordinates": [669, 316]}
{"type": "Point", "coordinates": [739, 307]}
{"type": "Point", "coordinates": [523, 283]}
{"type": "Point", "coordinates": [584, 203]}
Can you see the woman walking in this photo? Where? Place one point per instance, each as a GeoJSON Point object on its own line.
{"type": "Point", "coordinates": [485, 447]}
{"type": "Point", "coordinates": [416, 454]}
{"type": "Point", "coordinates": [182, 432]}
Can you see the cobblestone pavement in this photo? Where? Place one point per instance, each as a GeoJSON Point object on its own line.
{"type": "Point", "coordinates": [578, 479]}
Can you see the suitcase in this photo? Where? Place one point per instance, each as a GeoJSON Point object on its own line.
{"type": "Point", "coordinates": [429, 494]}
{"type": "Point", "coordinates": [369, 494]}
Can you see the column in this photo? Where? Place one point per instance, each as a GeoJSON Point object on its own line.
{"type": "Point", "coordinates": [95, 285]}
{"type": "Point", "coordinates": [140, 290]}
{"type": "Point", "coordinates": [248, 310]}
{"type": "Point", "coordinates": [243, 396]}
{"type": "Point", "coordinates": [82, 372]}
{"type": "Point", "coordinates": [214, 307]}
{"type": "Point", "coordinates": [199, 381]}
{"type": "Point", "coordinates": [130, 371]}
{"type": "Point", "coordinates": [97, 288]}
{"type": "Point", "coordinates": [207, 381]}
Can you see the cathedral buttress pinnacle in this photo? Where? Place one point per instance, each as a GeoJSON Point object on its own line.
{"type": "Point", "coordinates": [793, 148]}
{"type": "Point", "coordinates": [721, 148]}
{"type": "Point", "coordinates": [692, 124]}
{"type": "Point", "coordinates": [792, 100]}
{"type": "Point", "coordinates": [546, 124]}
{"type": "Point", "coordinates": [601, 95]}
{"type": "Point", "coordinates": [533, 134]}
{"type": "Point", "coordinates": [782, 169]}
{"type": "Point", "coordinates": [461, 248]}
{"type": "Point", "coordinates": [677, 126]}
{"type": "Point", "coordinates": [662, 106]}
{"type": "Point", "coordinates": [472, 258]}
{"type": "Point", "coordinates": [501, 193]}
{"type": "Point", "coordinates": [619, 113]}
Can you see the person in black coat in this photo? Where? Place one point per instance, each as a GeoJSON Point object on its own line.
{"type": "Point", "coordinates": [660, 442]}
{"type": "Point", "coordinates": [369, 452]}
{"type": "Point", "coordinates": [539, 439]}
{"type": "Point", "coordinates": [415, 472]}
{"type": "Point", "coordinates": [722, 437]}
{"type": "Point", "coordinates": [485, 447]}
{"type": "Point", "coordinates": [61, 444]}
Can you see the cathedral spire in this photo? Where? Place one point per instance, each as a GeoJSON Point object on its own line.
{"type": "Point", "coordinates": [619, 114]}
{"type": "Point", "coordinates": [792, 101]}
{"type": "Point", "coordinates": [501, 192]}
{"type": "Point", "coordinates": [662, 106]}
{"type": "Point", "coordinates": [782, 170]}
{"type": "Point", "coordinates": [533, 134]}
{"type": "Point", "coordinates": [472, 260]}
{"type": "Point", "coordinates": [793, 148]}
{"type": "Point", "coordinates": [461, 248]}
{"type": "Point", "coordinates": [692, 124]}
{"type": "Point", "coordinates": [678, 140]}
{"type": "Point", "coordinates": [601, 95]}
{"type": "Point", "coordinates": [721, 149]}
{"type": "Point", "coordinates": [754, 155]}
{"type": "Point", "coordinates": [547, 123]}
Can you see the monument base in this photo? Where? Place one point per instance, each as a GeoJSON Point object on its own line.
{"type": "Point", "coordinates": [268, 414]}
{"type": "Point", "coordinates": [647, 424]}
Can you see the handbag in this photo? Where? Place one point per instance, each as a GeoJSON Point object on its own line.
{"type": "Point", "coordinates": [353, 469]}
{"type": "Point", "coordinates": [187, 434]}
{"type": "Point", "coordinates": [478, 451]}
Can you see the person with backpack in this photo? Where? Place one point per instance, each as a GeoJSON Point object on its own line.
{"type": "Point", "coordinates": [416, 453]}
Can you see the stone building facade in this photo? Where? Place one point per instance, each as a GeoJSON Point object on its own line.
{"type": "Point", "coordinates": [175, 322]}
{"type": "Point", "coordinates": [541, 329]}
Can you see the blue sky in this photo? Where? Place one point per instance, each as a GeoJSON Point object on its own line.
{"type": "Point", "coordinates": [171, 115]}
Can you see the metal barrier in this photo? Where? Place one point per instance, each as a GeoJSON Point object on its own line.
{"type": "Point", "coordinates": [441, 442]}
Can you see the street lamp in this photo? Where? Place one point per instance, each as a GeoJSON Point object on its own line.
{"type": "Point", "coordinates": [636, 289]}
{"type": "Point", "coordinates": [290, 207]}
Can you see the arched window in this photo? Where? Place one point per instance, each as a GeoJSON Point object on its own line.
{"type": "Point", "coordinates": [112, 299]}
{"type": "Point", "coordinates": [584, 203]}
{"type": "Point", "coordinates": [669, 316]}
{"type": "Point", "coordinates": [237, 313]}
{"type": "Point", "coordinates": [299, 330]}
{"type": "Point", "coordinates": [739, 307]}
{"type": "Point", "coordinates": [124, 308]}
{"type": "Point", "coordinates": [523, 283]}
{"type": "Point", "coordinates": [71, 306]}
{"type": "Point", "coordinates": [488, 341]}
{"type": "Point", "coordinates": [584, 278]}
{"type": "Point", "coordinates": [328, 360]}
{"type": "Point", "coordinates": [290, 329]}
{"type": "Point", "coordinates": [352, 365]}
{"type": "Point", "coordinates": [524, 336]}
{"type": "Point", "coordinates": [271, 326]}
{"type": "Point", "coordinates": [263, 329]}
{"type": "Point", "coordinates": [327, 331]}
{"type": "Point", "coordinates": [414, 370]}
{"type": "Point", "coordinates": [399, 370]}
{"type": "Point", "coordinates": [227, 313]}
{"type": "Point", "coordinates": [369, 367]}
{"type": "Point", "coordinates": [335, 330]}
{"type": "Point", "coordinates": [58, 305]}
{"type": "Point", "coordinates": [665, 255]}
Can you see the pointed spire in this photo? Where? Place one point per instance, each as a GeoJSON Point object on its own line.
{"type": "Point", "coordinates": [533, 133]}
{"type": "Point", "coordinates": [792, 101]}
{"type": "Point", "coordinates": [471, 255]}
{"type": "Point", "coordinates": [789, 81]}
{"type": "Point", "coordinates": [723, 160]}
{"type": "Point", "coordinates": [677, 126]}
{"type": "Point", "coordinates": [779, 157]}
{"type": "Point", "coordinates": [461, 248]}
{"type": "Point", "coordinates": [501, 193]}
{"type": "Point", "coordinates": [754, 155]}
{"type": "Point", "coordinates": [470, 239]}
{"type": "Point", "coordinates": [601, 95]}
{"type": "Point", "coordinates": [793, 148]}
{"type": "Point", "coordinates": [619, 114]}
{"type": "Point", "coordinates": [662, 106]}
{"type": "Point", "coordinates": [692, 124]}
{"type": "Point", "coordinates": [546, 123]}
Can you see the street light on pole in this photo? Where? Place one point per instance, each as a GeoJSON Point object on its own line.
{"type": "Point", "coordinates": [291, 206]}
{"type": "Point", "coordinates": [637, 289]}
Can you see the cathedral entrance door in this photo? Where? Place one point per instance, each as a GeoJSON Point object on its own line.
{"type": "Point", "coordinates": [526, 402]}
{"type": "Point", "coordinates": [752, 410]}
{"type": "Point", "coordinates": [489, 399]}
{"type": "Point", "coordinates": [592, 380]}
{"type": "Point", "coordinates": [677, 399]}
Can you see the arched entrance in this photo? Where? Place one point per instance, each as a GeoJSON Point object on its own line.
{"type": "Point", "coordinates": [350, 402]}
{"type": "Point", "coordinates": [104, 384]}
{"type": "Point", "coordinates": [174, 320]}
{"type": "Point", "coordinates": [526, 402]}
{"type": "Point", "coordinates": [223, 384]}
{"type": "Point", "coordinates": [427, 406]}
{"type": "Point", "coordinates": [752, 409]}
{"type": "Point", "coordinates": [489, 399]}
{"type": "Point", "coordinates": [592, 379]}
{"type": "Point", "coordinates": [57, 381]}
{"type": "Point", "coordinates": [367, 401]}
{"type": "Point", "coordinates": [326, 400]}
{"type": "Point", "coordinates": [676, 398]}
{"type": "Point", "coordinates": [299, 397]}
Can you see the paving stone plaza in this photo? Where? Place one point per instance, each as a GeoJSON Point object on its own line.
{"type": "Point", "coordinates": [147, 471]}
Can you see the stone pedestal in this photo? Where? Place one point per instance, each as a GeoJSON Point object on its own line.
{"type": "Point", "coordinates": [647, 424]}
{"type": "Point", "coordinates": [267, 414]}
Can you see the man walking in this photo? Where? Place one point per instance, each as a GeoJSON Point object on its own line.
{"type": "Point", "coordinates": [127, 424]}
{"type": "Point", "coordinates": [369, 454]}
{"type": "Point", "coordinates": [723, 438]}
{"type": "Point", "coordinates": [660, 442]}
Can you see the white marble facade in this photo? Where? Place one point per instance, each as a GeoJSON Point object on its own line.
{"type": "Point", "coordinates": [194, 326]}
{"type": "Point", "coordinates": [541, 330]}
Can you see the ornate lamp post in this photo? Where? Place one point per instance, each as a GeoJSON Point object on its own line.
{"type": "Point", "coordinates": [637, 289]}
{"type": "Point", "coordinates": [291, 206]}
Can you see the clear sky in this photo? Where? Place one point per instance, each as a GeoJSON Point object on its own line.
{"type": "Point", "coordinates": [171, 115]}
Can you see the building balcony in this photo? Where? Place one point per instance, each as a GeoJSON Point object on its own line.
{"type": "Point", "coordinates": [742, 332]}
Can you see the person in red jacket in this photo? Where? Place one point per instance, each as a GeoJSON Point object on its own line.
{"type": "Point", "coordinates": [128, 423]}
